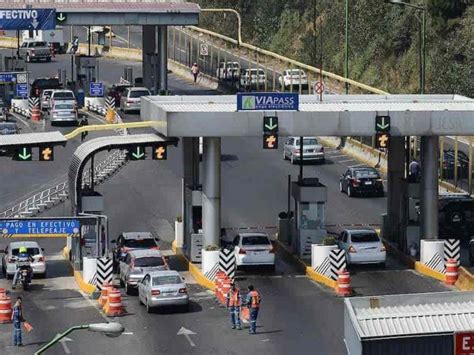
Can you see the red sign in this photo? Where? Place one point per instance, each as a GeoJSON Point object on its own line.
{"type": "Point", "coordinates": [318, 87]}
{"type": "Point", "coordinates": [464, 343]}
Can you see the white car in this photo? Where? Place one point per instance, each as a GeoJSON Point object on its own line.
{"type": "Point", "coordinates": [362, 246]}
{"type": "Point", "coordinates": [253, 79]}
{"type": "Point", "coordinates": [63, 96]}
{"type": "Point", "coordinates": [293, 78]}
{"type": "Point", "coordinates": [254, 249]}
{"type": "Point", "coordinates": [228, 71]}
{"type": "Point", "coordinates": [131, 98]}
{"type": "Point", "coordinates": [162, 288]}
{"type": "Point", "coordinates": [312, 150]}
{"type": "Point", "coordinates": [33, 249]}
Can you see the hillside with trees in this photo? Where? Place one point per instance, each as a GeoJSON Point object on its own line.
{"type": "Point", "coordinates": [383, 38]}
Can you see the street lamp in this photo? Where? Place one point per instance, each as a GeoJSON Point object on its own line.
{"type": "Point", "coordinates": [239, 20]}
{"type": "Point", "coordinates": [422, 34]}
{"type": "Point", "coordinates": [346, 45]}
{"type": "Point", "coordinates": [112, 330]}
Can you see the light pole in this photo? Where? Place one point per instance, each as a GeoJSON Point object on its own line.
{"type": "Point", "coordinates": [422, 34]}
{"type": "Point", "coordinates": [112, 330]}
{"type": "Point", "coordinates": [346, 45]}
{"type": "Point", "coordinates": [239, 20]}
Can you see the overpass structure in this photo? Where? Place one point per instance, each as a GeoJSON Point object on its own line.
{"type": "Point", "coordinates": [211, 117]}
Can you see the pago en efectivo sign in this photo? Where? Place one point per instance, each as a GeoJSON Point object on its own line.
{"type": "Point", "coordinates": [267, 101]}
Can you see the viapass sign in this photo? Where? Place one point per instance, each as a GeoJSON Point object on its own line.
{"type": "Point", "coordinates": [267, 102]}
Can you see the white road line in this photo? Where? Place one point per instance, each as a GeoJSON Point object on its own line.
{"type": "Point", "coordinates": [345, 161]}
{"type": "Point", "coordinates": [355, 166]}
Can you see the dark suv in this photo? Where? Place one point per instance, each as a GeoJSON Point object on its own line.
{"type": "Point", "coordinates": [44, 83]}
{"type": "Point", "coordinates": [456, 216]}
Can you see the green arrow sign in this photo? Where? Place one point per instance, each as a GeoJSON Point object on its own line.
{"type": "Point", "coordinates": [61, 17]}
{"type": "Point", "coordinates": [24, 154]}
{"type": "Point", "coordinates": [138, 153]}
{"type": "Point", "coordinates": [270, 124]}
{"type": "Point", "coordinates": [382, 123]}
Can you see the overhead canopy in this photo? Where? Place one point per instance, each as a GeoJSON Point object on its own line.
{"type": "Point", "coordinates": [337, 115]}
{"type": "Point", "coordinates": [117, 13]}
{"type": "Point", "coordinates": [32, 139]}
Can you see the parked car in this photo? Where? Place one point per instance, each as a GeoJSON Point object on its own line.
{"type": "Point", "coordinates": [228, 71]}
{"type": "Point", "coordinates": [129, 241]}
{"type": "Point", "coordinates": [117, 91]}
{"type": "Point", "coordinates": [252, 79]}
{"type": "Point", "coordinates": [361, 181]}
{"type": "Point", "coordinates": [362, 246]}
{"type": "Point", "coordinates": [293, 78]}
{"type": "Point", "coordinates": [131, 98]}
{"type": "Point", "coordinates": [448, 164]}
{"type": "Point", "coordinates": [254, 249]}
{"type": "Point", "coordinates": [137, 263]}
{"type": "Point", "coordinates": [163, 288]}
{"type": "Point", "coordinates": [45, 99]}
{"type": "Point", "coordinates": [63, 111]}
{"type": "Point", "coordinates": [33, 249]}
{"type": "Point", "coordinates": [312, 150]}
{"type": "Point", "coordinates": [41, 84]}
{"type": "Point", "coordinates": [35, 50]}
{"type": "Point", "coordinates": [456, 216]}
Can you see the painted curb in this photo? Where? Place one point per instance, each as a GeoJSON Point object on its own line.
{"type": "Point", "coordinates": [423, 269]}
{"type": "Point", "coordinates": [465, 280]}
{"type": "Point", "coordinates": [193, 269]}
{"type": "Point", "coordinates": [83, 285]}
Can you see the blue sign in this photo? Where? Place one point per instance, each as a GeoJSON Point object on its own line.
{"type": "Point", "coordinates": [96, 89]}
{"type": "Point", "coordinates": [7, 78]}
{"type": "Point", "coordinates": [257, 101]}
{"type": "Point", "coordinates": [27, 19]}
{"type": "Point", "coordinates": [39, 228]}
{"type": "Point", "coordinates": [21, 90]}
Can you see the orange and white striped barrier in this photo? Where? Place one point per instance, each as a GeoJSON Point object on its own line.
{"type": "Point", "coordinates": [451, 272]}
{"type": "Point", "coordinates": [3, 293]}
{"type": "Point", "coordinates": [5, 310]}
{"type": "Point", "coordinates": [114, 306]}
{"type": "Point", "coordinates": [225, 289]}
{"type": "Point", "coordinates": [104, 294]}
{"type": "Point", "coordinates": [35, 113]}
{"type": "Point", "coordinates": [245, 313]}
{"type": "Point", "coordinates": [343, 287]}
{"type": "Point", "coordinates": [220, 277]}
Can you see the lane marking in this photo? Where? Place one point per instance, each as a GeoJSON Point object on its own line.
{"type": "Point", "coordinates": [355, 166]}
{"type": "Point", "coordinates": [346, 161]}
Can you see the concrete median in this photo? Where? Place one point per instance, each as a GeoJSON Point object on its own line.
{"type": "Point", "coordinates": [81, 283]}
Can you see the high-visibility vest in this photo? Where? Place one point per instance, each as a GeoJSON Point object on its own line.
{"type": "Point", "coordinates": [254, 299]}
{"type": "Point", "coordinates": [234, 298]}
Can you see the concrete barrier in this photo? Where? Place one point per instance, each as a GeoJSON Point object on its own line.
{"type": "Point", "coordinates": [21, 107]}
{"type": "Point", "coordinates": [95, 104]}
{"type": "Point", "coordinates": [465, 280]}
{"type": "Point", "coordinates": [81, 283]}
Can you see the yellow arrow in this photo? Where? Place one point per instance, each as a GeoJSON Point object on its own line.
{"type": "Point", "coordinates": [106, 127]}
{"type": "Point", "coordinates": [46, 153]}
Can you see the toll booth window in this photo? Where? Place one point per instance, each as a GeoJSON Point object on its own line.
{"type": "Point", "coordinates": [311, 215]}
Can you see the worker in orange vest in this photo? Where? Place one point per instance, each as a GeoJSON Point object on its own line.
{"type": "Point", "coordinates": [233, 305]}
{"type": "Point", "coordinates": [253, 303]}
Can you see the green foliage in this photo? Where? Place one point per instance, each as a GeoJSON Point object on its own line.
{"type": "Point", "coordinates": [329, 240]}
{"type": "Point", "coordinates": [383, 39]}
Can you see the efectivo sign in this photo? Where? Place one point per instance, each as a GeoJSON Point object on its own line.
{"type": "Point", "coordinates": [267, 101]}
{"type": "Point", "coordinates": [39, 228]}
{"type": "Point", "coordinates": [27, 19]}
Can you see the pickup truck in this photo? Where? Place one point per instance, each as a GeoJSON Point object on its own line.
{"type": "Point", "coordinates": [35, 50]}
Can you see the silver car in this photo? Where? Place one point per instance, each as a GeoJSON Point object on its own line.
{"type": "Point", "coordinates": [45, 99]}
{"type": "Point", "coordinates": [63, 111]}
{"type": "Point", "coordinates": [163, 288]}
{"type": "Point", "coordinates": [33, 249]}
{"type": "Point", "coordinates": [131, 98]}
{"type": "Point", "coordinates": [137, 263]}
{"type": "Point", "coordinates": [312, 150]}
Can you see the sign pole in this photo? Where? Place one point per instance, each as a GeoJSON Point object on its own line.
{"type": "Point", "coordinates": [300, 178]}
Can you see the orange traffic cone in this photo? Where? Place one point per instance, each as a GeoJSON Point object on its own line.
{"type": "Point", "coordinates": [5, 310]}
{"type": "Point", "coordinates": [451, 272]}
{"type": "Point", "coordinates": [114, 306]}
{"type": "Point", "coordinates": [35, 113]}
{"type": "Point", "coordinates": [343, 287]}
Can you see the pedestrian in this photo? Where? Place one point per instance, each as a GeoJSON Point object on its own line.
{"type": "Point", "coordinates": [17, 319]}
{"type": "Point", "coordinates": [195, 71]}
{"type": "Point", "coordinates": [253, 303]}
{"type": "Point", "coordinates": [414, 171]}
{"type": "Point", "coordinates": [233, 305]}
{"type": "Point", "coordinates": [83, 122]}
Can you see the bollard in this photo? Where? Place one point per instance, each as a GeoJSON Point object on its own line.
{"type": "Point", "coordinates": [451, 272]}
{"type": "Point", "coordinates": [343, 287]}
{"type": "Point", "coordinates": [35, 113]}
{"type": "Point", "coordinates": [225, 290]}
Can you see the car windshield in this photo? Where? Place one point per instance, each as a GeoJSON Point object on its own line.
{"type": "Point", "coordinates": [47, 93]}
{"type": "Point", "coordinates": [366, 173]}
{"type": "Point", "coordinates": [64, 107]}
{"type": "Point", "coordinates": [257, 71]}
{"type": "Point", "coordinates": [166, 280]}
{"type": "Point", "coordinates": [233, 65]}
{"type": "Point", "coordinates": [365, 237]}
{"type": "Point", "coordinates": [30, 251]}
{"type": "Point", "coordinates": [308, 141]}
{"type": "Point", "coordinates": [39, 44]}
{"type": "Point", "coordinates": [49, 83]}
{"type": "Point", "coordinates": [140, 243]}
{"type": "Point", "coordinates": [63, 95]}
{"type": "Point", "coordinates": [255, 240]}
{"type": "Point", "coordinates": [149, 261]}
{"type": "Point", "coordinates": [138, 93]}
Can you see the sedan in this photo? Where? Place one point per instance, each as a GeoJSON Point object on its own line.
{"type": "Point", "coordinates": [254, 249]}
{"type": "Point", "coordinates": [131, 98]}
{"type": "Point", "coordinates": [361, 181]}
{"type": "Point", "coordinates": [312, 150]}
{"type": "Point", "coordinates": [33, 249]}
{"type": "Point", "coordinates": [362, 246]}
{"type": "Point", "coordinates": [63, 111]}
{"type": "Point", "coordinates": [163, 288]}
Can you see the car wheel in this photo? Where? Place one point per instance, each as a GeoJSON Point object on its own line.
{"type": "Point", "coordinates": [341, 188]}
{"type": "Point", "coordinates": [148, 308]}
{"type": "Point", "coordinates": [350, 193]}
{"type": "Point", "coordinates": [382, 265]}
{"type": "Point", "coordinates": [381, 194]}
{"type": "Point", "coordinates": [42, 275]}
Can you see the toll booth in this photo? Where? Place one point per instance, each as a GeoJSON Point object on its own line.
{"type": "Point", "coordinates": [87, 71]}
{"type": "Point", "coordinates": [310, 197]}
{"type": "Point", "coordinates": [192, 220]}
